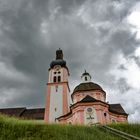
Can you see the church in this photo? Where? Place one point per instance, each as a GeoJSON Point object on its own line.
{"type": "Point", "coordinates": [88, 99]}
{"type": "Point", "coordinates": [86, 105]}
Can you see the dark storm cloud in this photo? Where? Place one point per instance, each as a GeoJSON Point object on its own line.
{"type": "Point", "coordinates": [91, 33]}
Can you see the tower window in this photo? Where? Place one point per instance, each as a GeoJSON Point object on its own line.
{"type": "Point", "coordinates": [105, 114]}
{"type": "Point", "coordinates": [59, 78]}
{"type": "Point", "coordinates": [85, 78]}
{"type": "Point", "coordinates": [56, 88]}
{"type": "Point", "coordinates": [54, 79]}
{"type": "Point", "coordinates": [55, 109]}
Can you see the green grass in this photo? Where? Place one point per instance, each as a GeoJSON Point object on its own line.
{"type": "Point", "coordinates": [133, 129]}
{"type": "Point", "coordinates": [15, 129]}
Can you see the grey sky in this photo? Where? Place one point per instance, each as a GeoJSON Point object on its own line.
{"type": "Point", "coordinates": [94, 35]}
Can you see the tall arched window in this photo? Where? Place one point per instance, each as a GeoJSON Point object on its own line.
{"type": "Point", "coordinates": [59, 78]}
{"type": "Point", "coordinates": [54, 79]}
{"type": "Point", "coordinates": [56, 88]}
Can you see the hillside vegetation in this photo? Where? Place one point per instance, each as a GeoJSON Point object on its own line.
{"type": "Point", "coordinates": [15, 129]}
{"type": "Point", "coordinates": [133, 129]}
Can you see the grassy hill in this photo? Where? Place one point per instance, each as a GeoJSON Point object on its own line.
{"type": "Point", "coordinates": [133, 129]}
{"type": "Point", "coordinates": [15, 129]}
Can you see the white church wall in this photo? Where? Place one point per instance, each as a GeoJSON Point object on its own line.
{"type": "Point", "coordinates": [56, 103]}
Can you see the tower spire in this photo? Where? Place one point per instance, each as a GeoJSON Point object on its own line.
{"type": "Point", "coordinates": [59, 54]}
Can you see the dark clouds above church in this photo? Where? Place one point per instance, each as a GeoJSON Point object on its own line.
{"type": "Point", "coordinates": [94, 35]}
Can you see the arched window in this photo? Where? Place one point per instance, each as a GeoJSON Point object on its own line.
{"type": "Point", "coordinates": [54, 79]}
{"type": "Point", "coordinates": [55, 109]}
{"type": "Point", "coordinates": [59, 78]}
{"type": "Point", "coordinates": [85, 78]}
{"type": "Point", "coordinates": [56, 88]}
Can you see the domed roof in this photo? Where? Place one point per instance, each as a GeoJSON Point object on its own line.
{"type": "Point", "coordinates": [60, 62]}
{"type": "Point", "coordinates": [87, 86]}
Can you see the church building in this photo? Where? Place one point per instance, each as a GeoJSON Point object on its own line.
{"type": "Point", "coordinates": [85, 105]}
{"type": "Point", "coordinates": [88, 99]}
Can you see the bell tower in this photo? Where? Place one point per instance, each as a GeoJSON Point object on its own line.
{"type": "Point", "coordinates": [58, 97]}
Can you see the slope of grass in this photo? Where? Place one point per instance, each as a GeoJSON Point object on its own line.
{"type": "Point", "coordinates": [133, 129]}
{"type": "Point", "coordinates": [14, 129]}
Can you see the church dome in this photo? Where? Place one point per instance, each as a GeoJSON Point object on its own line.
{"type": "Point", "coordinates": [87, 86]}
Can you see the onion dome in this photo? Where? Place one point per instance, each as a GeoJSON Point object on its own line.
{"type": "Point", "coordinates": [59, 59]}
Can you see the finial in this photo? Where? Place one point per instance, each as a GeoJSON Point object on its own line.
{"type": "Point", "coordinates": [59, 54]}
{"type": "Point", "coordinates": [85, 71]}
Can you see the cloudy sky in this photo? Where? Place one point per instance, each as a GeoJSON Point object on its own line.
{"type": "Point", "coordinates": [101, 36]}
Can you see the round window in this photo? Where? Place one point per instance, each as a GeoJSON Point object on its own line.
{"type": "Point", "coordinates": [89, 109]}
